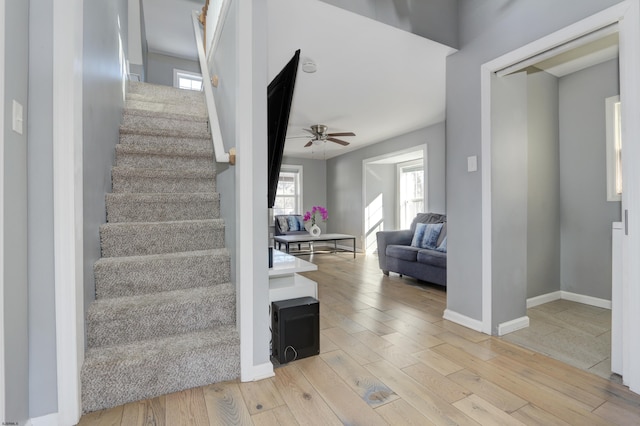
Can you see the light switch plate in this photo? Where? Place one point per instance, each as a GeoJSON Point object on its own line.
{"type": "Point", "coordinates": [17, 117]}
{"type": "Point", "coordinates": [472, 163]}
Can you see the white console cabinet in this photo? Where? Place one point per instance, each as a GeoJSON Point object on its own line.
{"type": "Point", "coordinates": [284, 280]}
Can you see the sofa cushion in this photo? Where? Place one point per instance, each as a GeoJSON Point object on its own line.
{"type": "Point", "coordinates": [427, 218]}
{"type": "Point", "coordinates": [407, 253]}
{"type": "Point", "coordinates": [443, 234]}
{"type": "Point", "coordinates": [432, 257]}
{"type": "Point", "coordinates": [431, 234]}
{"type": "Point", "coordinates": [283, 223]}
{"type": "Point", "coordinates": [294, 224]}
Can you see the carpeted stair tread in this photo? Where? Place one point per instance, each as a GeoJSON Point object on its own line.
{"type": "Point", "coordinates": [168, 150]}
{"type": "Point", "coordinates": [198, 133]}
{"type": "Point", "coordinates": [134, 275]}
{"type": "Point", "coordinates": [161, 93]}
{"type": "Point", "coordinates": [127, 319]}
{"type": "Point", "coordinates": [139, 102]}
{"type": "Point", "coordinates": [165, 141]}
{"type": "Point", "coordinates": [129, 110]}
{"type": "Point", "coordinates": [134, 179]}
{"type": "Point", "coordinates": [114, 375]}
{"type": "Point", "coordinates": [162, 157]}
{"type": "Point", "coordinates": [156, 207]}
{"type": "Point", "coordinates": [143, 238]}
{"type": "Point", "coordinates": [157, 122]}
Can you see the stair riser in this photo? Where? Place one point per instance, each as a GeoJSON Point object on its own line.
{"type": "Point", "coordinates": [146, 276]}
{"type": "Point", "coordinates": [145, 240]}
{"type": "Point", "coordinates": [161, 321]}
{"type": "Point", "coordinates": [193, 109]}
{"type": "Point", "coordinates": [152, 161]}
{"type": "Point", "coordinates": [163, 185]}
{"type": "Point", "coordinates": [157, 212]}
{"type": "Point", "coordinates": [111, 382]}
{"type": "Point", "coordinates": [163, 94]}
{"type": "Point", "coordinates": [160, 123]}
{"type": "Point", "coordinates": [164, 141]}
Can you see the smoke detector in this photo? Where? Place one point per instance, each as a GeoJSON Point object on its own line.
{"type": "Point", "coordinates": [308, 65]}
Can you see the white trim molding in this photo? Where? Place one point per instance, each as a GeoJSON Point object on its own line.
{"type": "Point", "coordinates": [2, 376]}
{"type": "Point", "coordinates": [463, 320]}
{"type": "Point", "coordinates": [543, 298]}
{"type": "Point", "coordinates": [513, 325]}
{"type": "Point", "coordinates": [67, 205]}
{"type": "Point", "coordinates": [586, 300]}
{"type": "Point", "coordinates": [263, 371]}
{"type": "Point", "coordinates": [48, 420]}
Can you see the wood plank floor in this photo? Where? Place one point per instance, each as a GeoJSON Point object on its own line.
{"type": "Point", "coordinates": [388, 357]}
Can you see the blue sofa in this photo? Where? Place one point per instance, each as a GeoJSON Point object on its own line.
{"type": "Point", "coordinates": [396, 254]}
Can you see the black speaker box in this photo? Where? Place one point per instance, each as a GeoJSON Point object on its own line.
{"type": "Point", "coordinates": [295, 329]}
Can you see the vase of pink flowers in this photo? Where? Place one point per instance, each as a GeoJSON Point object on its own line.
{"type": "Point", "coordinates": [310, 219]}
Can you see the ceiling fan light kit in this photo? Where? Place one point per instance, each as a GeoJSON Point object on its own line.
{"type": "Point", "coordinates": [320, 135]}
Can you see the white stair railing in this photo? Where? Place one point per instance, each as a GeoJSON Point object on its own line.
{"type": "Point", "coordinates": [216, 134]}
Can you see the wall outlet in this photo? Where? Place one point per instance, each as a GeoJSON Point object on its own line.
{"type": "Point", "coordinates": [472, 163]}
{"type": "Point", "coordinates": [18, 120]}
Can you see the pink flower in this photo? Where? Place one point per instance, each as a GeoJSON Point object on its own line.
{"type": "Point", "coordinates": [311, 216]}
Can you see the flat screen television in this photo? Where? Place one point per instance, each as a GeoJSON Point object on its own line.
{"type": "Point", "coordinates": [279, 96]}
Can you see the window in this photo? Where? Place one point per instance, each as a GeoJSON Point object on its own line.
{"type": "Point", "coordinates": [187, 80]}
{"type": "Point", "coordinates": [410, 191]}
{"type": "Point", "coordinates": [289, 192]}
{"type": "Point", "coordinates": [614, 149]}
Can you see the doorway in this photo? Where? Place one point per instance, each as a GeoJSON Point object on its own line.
{"type": "Point", "coordinates": [380, 190]}
{"type": "Point", "coordinates": [504, 283]}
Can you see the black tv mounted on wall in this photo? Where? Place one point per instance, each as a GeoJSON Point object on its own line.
{"type": "Point", "coordinates": [279, 96]}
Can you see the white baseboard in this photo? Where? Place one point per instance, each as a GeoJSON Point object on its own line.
{"type": "Point", "coordinates": [462, 320]}
{"type": "Point", "coordinates": [567, 295]}
{"type": "Point", "coordinates": [587, 300]}
{"type": "Point", "coordinates": [545, 298]}
{"type": "Point", "coordinates": [48, 420]}
{"type": "Point", "coordinates": [513, 325]}
{"type": "Point", "coordinates": [262, 371]}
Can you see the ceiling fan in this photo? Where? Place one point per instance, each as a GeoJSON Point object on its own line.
{"type": "Point", "coordinates": [319, 132]}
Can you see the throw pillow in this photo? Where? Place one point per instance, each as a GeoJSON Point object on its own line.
{"type": "Point", "coordinates": [418, 234]}
{"type": "Point", "coordinates": [431, 234]}
{"type": "Point", "coordinates": [300, 223]}
{"type": "Point", "coordinates": [443, 245]}
{"type": "Point", "coordinates": [283, 223]}
{"type": "Point", "coordinates": [293, 223]}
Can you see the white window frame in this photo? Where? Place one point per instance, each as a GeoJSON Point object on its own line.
{"type": "Point", "coordinates": [614, 147]}
{"type": "Point", "coordinates": [297, 169]}
{"type": "Point", "coordinates": [399, 170]}
{"type": "Point", "coordinates": [193, 76]}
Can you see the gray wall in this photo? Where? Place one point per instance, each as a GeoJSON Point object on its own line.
{"type": "Point", "coordinates": [14, 156]}
{"type": "Point", "coordinates": [586, 213]}
{"type": "Point", "coordinates": [42, 319]}
{"type": "Point", "coordinates": [159, 68]}
{"type": "Point", "coordinates": [488, 29]}
{"type": "Point", "coordinates": [102, 113]}
{"type": "Point", "coordinates": [381, 180]}
{"type": "Point", "coordinates": [314, 187]}
{"type": "Point", "coordinates": [543, 189]}
{"type": "Point", "coordinates": [344, 178]}
{"type": "Point", "coordinates": [433, 19]}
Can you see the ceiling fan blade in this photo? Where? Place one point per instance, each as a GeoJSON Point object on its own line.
{"type": "Point", "coordinates": [343, 143]}
{"type": "Point", "coordinates": [308, 144]}
{"type": "Point", "coordinates": [341, 134]}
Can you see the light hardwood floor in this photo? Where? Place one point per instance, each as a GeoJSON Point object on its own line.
{"type": "Point", "coordinates": [388, 357]}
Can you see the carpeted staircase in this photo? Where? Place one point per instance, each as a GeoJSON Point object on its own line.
{"type": "Point", "coordinates": [164, 315]}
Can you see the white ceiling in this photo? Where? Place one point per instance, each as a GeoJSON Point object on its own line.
{"type": "Point", "coordinates": [372, 79]}
{"type": "Point", "coordinates": [169, 28]}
